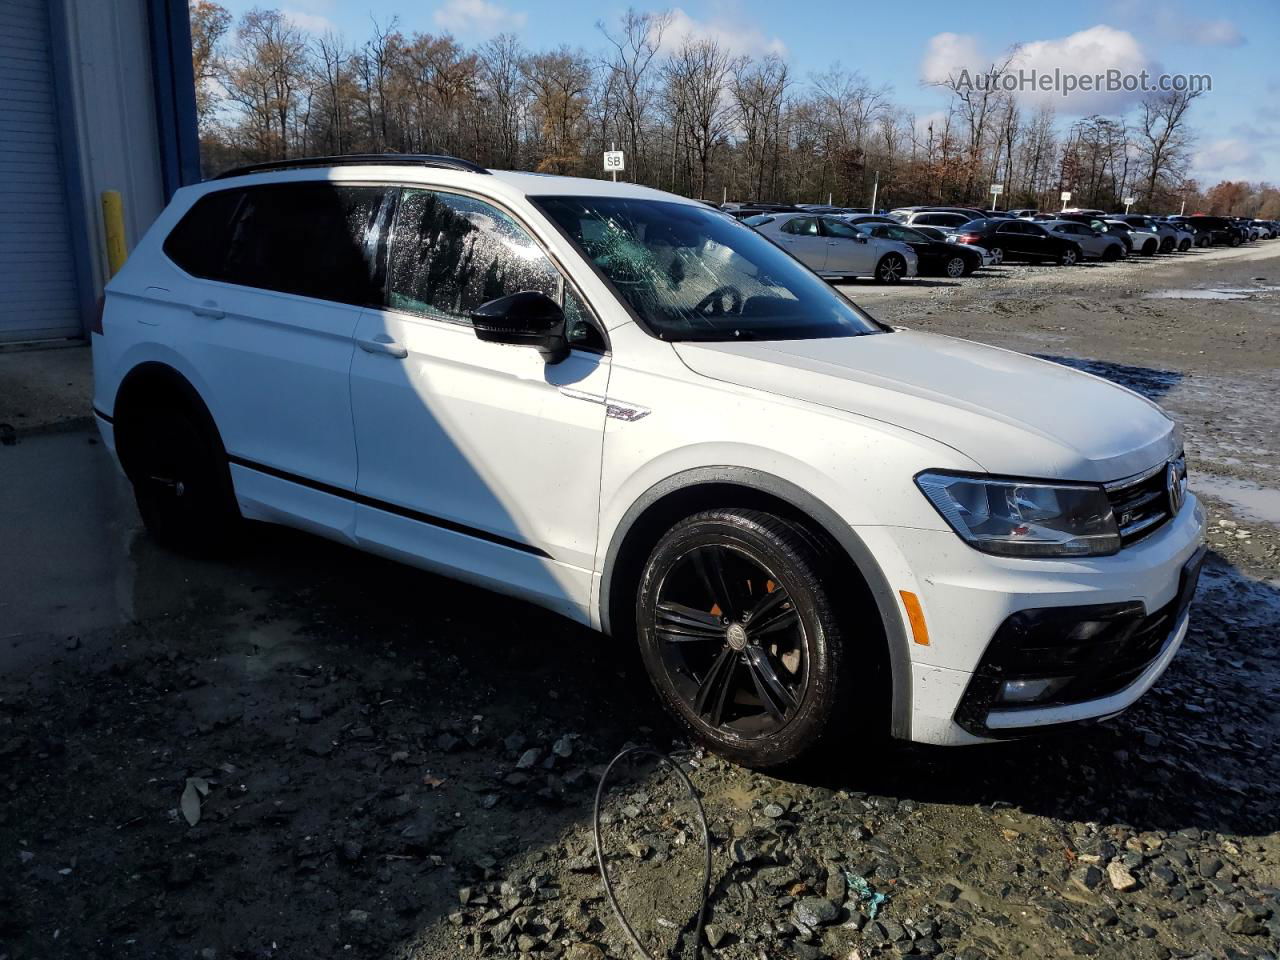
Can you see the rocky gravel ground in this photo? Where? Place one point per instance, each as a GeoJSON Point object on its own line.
{"type": "Point", "coordinates": [308, 752]}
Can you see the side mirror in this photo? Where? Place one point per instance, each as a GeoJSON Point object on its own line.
{"type": "Point", "coordinates": [859, 239]}
{"type": "Point", "coordinates": [526, 319]}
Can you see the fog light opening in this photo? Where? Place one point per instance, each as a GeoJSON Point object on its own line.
{"type": "Point", "coordinates": [1031, 691]}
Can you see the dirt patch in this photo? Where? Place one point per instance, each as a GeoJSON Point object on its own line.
{"type": "Point", "coordinates": [398, 766]}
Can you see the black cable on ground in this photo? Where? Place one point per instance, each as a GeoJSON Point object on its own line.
{"type": "Point", "coordinates": [706, 844]}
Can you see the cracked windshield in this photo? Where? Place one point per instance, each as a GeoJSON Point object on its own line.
{"type": "Point", "coordinates": [693, 274]}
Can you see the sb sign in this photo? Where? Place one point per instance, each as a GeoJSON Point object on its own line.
{"type": "Point", "coordinates": [613, 162]}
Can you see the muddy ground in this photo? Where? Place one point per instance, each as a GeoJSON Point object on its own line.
{"type": "Point", "coordinates": [385, 764]}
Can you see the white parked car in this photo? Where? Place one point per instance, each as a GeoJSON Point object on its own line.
{"type": "Point", "coordinates": [1095, 244]}
{"type": "Point", "coordinates": [1145, 240]}
{"type": "Point", "coordinates": [628, 408]}
{"type": "Point", "coordinates": [832, 248]}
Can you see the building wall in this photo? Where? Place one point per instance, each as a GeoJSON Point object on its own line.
{"type": "Point", "coordinates": [113, 129]}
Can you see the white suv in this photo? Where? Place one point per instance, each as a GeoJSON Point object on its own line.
{"type": "Point", "coordinates": [629, 408]}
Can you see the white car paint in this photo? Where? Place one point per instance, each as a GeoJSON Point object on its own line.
{"type": "Point", "coordinates": [504, 450]}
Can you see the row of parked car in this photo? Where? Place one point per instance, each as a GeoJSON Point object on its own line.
{"type": "Point", "coordinates": [843, 243]}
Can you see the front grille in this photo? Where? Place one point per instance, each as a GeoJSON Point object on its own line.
{"type": "Point", "coordinates": [1143, 506]}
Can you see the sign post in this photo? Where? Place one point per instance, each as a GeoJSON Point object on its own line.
{"type": "Point", "coordinates": [996, 190]}
{"type": "Point", "coordinates": [613, 162]}
{"type": "Point", "coordinates": [1066, 195]}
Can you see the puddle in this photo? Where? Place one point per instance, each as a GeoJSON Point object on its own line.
{"type": "Point", "coordinates": [1215, 293]}
{"type": "Point", "coordinates": [1195, 295]}
{"type": "Point", "coordinates": [1261, 504]}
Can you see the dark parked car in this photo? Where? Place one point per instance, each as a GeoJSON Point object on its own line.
{"type": "Point", "coordinates": [1020, 240]}
{"type": "Point", "coordinates": [1220, 229]}
{"type": "Point", "coordinates": [937, 257]}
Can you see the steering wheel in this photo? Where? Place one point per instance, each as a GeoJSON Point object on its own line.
{"type": "Point", "coordinates": [713, 303]}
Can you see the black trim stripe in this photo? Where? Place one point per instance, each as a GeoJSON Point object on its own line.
{"type": "Point", "coordinates": [104, 417]}
{"type": "Point", "coordinates": [396, 509]}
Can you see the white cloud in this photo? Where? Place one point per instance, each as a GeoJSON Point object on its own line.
{"type": "Point", "coordinates": [1228, 159]}
{"type": "Point", "coordinates": [733, 35]}
{"type": "Point", "coordinates": [949, 53]}
{"type": "Point", "coordinates": [478, 18]}
{"type": "Point", "coordinates": [311, 22]}
{"type": "Point", "coordinates": [1090, 52]}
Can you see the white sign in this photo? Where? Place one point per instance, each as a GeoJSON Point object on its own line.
{"type": "Point", "coordinates": [613, 162]}
{"type": "Point", "coordinates": [997, 189]}
{"type": "Point", "coordinates": [1066, 195]}
{"type": "Point", "coordinates": [1129, 201]}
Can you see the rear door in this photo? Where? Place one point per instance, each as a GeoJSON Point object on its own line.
{"type": "Point", "coordinates": [275, 280]}
{"type": "Point", "coordinates": [802, 238]}
{"type": "Point", "coordinates": [1014, 238]}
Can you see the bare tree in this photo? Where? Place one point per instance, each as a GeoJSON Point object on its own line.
{"type": "Point", "coordinates": [1163, 138]}
{"type": "Point", "coordinates": [634, 48]}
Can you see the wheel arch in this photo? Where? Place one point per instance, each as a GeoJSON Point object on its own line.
{"type": "Point", "coordinates": [146, 384]}
{"type": "Point", "coordinates": [684, 494]}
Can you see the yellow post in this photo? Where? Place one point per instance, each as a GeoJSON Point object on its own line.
{"type": "Point", "coordinates": [113, 223]}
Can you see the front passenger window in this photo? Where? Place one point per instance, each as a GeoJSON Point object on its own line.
{"type": "Point", "coordinates": [451, 253]}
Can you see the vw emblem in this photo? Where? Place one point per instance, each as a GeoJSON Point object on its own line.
{"type": "Point", "coordinates": [1173, 483]}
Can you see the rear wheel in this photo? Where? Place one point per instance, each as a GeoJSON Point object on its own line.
{"type": "Point", "coordinates": [1184, 245]}
{"type": "Point", "coordinates": [997, 256]}
{"type": "Point", "coordinates": [1112, 252]}
{"type": "Point", "coordinates": [1167, 245]}
{"type": "Point", "coordinates": [1149, 248]}
{"type": "Point", "coordinates": [181, 482]}
{"type": "Point", "coordinates": [1068, 257]}
{"type": "Point", "coordinates": [1235, 240]}
{"type": "Point", "coordinates": [740, 637]}
{"type": "Point", "coordinates": [891, 268]}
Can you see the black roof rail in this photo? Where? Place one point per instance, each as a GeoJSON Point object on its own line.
{"type": "Point", "coordinates": [352, 159]}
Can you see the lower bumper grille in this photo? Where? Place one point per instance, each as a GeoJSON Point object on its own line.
{"type": "Point", "coordinates": [1091, 651]}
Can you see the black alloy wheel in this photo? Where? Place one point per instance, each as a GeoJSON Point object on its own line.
{"type": "Point", "coordinates": [739, 635]}
{"type": "Point", "coordinates": [181, 482]}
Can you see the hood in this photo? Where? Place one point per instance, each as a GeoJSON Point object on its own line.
{"type": "Point", "coordinates": [1010, 413]}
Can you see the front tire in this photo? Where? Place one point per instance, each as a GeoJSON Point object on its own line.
{"type": "Point", "coordinates": [997, 256]}
{"type": "Point", "coordinates": [1068, 257]}
{"type": "Point", "coordinates": [181, 482]}
{"type": "Point", "coordinates": [739, 633]}
{"type": "Point", "coordinates": [1184, 246]}
{"type": "Point", "coordinates": [955, 268]}
{"type": "Point", "coordinates": [1149, 248]}
{"type": "Point", "coordinates": [891, 269]}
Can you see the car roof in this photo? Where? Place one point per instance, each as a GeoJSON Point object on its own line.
{"type": "Point", "coordinates": [507, 182]}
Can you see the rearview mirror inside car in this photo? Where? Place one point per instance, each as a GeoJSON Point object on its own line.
{"type": "Point", "coordinates": [527, 319]}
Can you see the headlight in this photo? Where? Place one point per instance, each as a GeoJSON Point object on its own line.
{"type": "Point", "coordinates": [1025, 519]}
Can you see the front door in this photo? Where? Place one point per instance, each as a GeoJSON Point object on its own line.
{"type": "Point", "coordinates": [847, 249]}
{"type": "Point", "coordinates": [477, 459]}
{"type": "Point", "coordinates": [802, 238]}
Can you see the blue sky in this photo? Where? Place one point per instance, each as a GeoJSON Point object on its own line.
{"type": "Point", "coordinates": [900, 44]}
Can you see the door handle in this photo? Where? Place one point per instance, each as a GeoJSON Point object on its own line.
{"type": "Point", "coordinates": [383, 344]}
{"type": "Point", "coordinates": [209, 309]}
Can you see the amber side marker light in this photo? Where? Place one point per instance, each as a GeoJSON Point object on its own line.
{"type": "Point", "coordinates": [915, 617]}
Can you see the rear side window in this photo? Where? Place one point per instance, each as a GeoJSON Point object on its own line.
{"type": "Point", "coordinates": [309, 239]}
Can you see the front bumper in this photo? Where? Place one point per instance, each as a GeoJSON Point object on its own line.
{"type": "Point", "coordinates": [967, 597]}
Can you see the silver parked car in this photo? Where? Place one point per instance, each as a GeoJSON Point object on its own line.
{"type": "Point", "coordinates": [1095, 244]}
{"type": "Point", "coordinates": [832, 248]}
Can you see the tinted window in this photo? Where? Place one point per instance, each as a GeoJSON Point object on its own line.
{"type": "Point", "coordinates": [759, 220]}
{"type": "Point", "coordinates": [198, 244]}
{"type": "Point", "coordinates": [1010, 227]}
{"type": "Point", "coordinates": [451, 253]}
{"type": "Point", "coordinates": [838, 228]}
{"type": "Point", "coordinates": [310, 239]}
{"type": "Point", "coordinates": [689, 274]}
{"type": "Point", "coordinates": [806, 226]}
